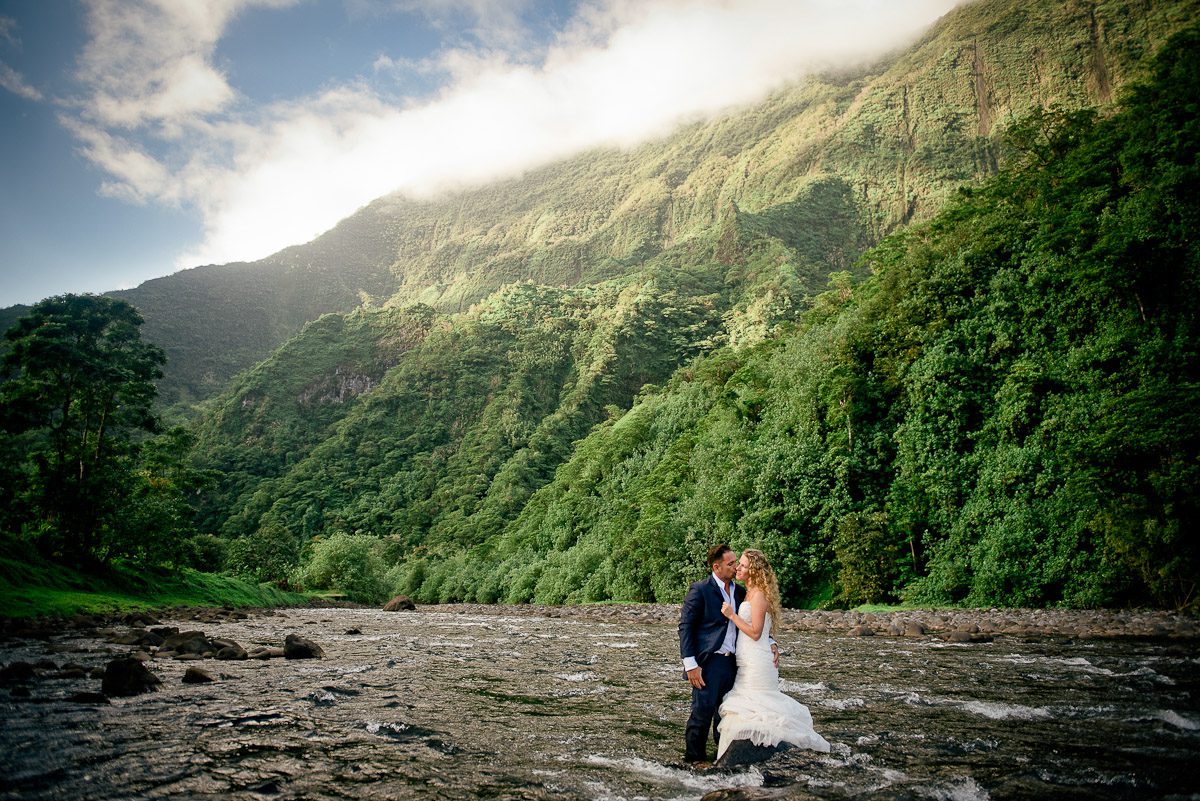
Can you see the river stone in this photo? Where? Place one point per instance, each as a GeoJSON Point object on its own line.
{"type": "Point", "coordinates": [88, 698]}
{"type": "Point", "coordinates": [189, 642]}
{"type": "Point", "coordinates": [128, 677]}
{"type": "Point", "coordinates": [297, 647]}
{"type": "Point", "coordinates": [141, 619]}
{"type": "Point", "coordinates": [400, 602]}
{"type": "Point", "coordinates": [195, 675]}
{"type": "Point", "coordinates": [16, 673]}
{"type": "Point", "coordinates": [265, 652]}
{"type": "Point", "coordinates": [234, 651]}
{"type": "Point", "coordinates": [744, 752]}
{"type": "Point", "coordinates": [862, 631]}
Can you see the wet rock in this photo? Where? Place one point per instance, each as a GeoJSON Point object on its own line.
{"type": "Point", "coordinates": [862, 631]}
{"type": "Point", "coordinates": [73, 672]}
{"type": "Point", "coordinates": [189, 642]}
{"type": "Point", "coordinates": [124, 677]}
{"type": "Point", "coordinates": [265, 652]}
{"type": "Point", "coordinates": [137, 637]}
{"type": "Point", "coordinates": [232, 652]}
{"type": "Point", "coordinates": [297, 647]}
{"type": "Point", "coordinates": [141, 619]}
{"type": "Point", "coordinates": [744, 752]}
{"type": "Point", "coordinates": [17, 673]}
{"type": "Point", "coordinates": [400, 603]}
{"type": "Point", "coordinates": [195, 675]}
{"type": "Point", "coordinates": [968, 637]}
{"type": "Point", "coordinates": [88, 698]}
{"type": "Point", "coordinates": [350, 632]}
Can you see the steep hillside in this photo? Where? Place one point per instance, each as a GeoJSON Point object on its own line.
{"type": "Point", "coordinates": [1002, 414]}
{"type": "Point", "coordinates": [458, 430]}
{"type": "Point", "coordinates": [898, 137]}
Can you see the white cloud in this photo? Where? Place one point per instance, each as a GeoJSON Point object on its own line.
{"type": "Point", "coordinates": [150, 61]}
{"type": "Point", "coordinates": [267, 178]}
{"type": "Point", "coordinates": [14, 82]}
{"type": "Point", "coordinates": [8, 30]}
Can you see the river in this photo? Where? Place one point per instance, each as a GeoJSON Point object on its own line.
{"type": "Point", "coordinates": [454, 705]}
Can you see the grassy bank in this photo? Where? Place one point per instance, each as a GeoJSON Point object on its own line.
{"type": "Point", "coordinates": [32, 588]}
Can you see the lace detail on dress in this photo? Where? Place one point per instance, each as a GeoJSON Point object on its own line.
{"type": "Point", "coordinates": [755, 709]}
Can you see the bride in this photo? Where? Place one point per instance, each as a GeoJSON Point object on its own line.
{"type": "Point", "coordinates": [755, 709]}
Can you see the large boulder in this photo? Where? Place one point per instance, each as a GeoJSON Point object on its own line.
{"type": "Point", "coordinates": [233, 651]}
{"type": "Point", "coordinates": [195, 675]}
{"type": "Point", "coordinates": [190, 642]}
{"type": "Point", "coordinates": [297, 647]}
{"type": "Point", "coordinates": [400, 603]}
{"type": "Point", "coordinates": [128, 677]}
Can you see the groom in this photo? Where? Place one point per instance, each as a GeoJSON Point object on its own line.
{"type": "Point", "coordinates": [706, 642]}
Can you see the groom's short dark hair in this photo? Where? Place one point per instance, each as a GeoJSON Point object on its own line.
{"type": "Point", "coordinates": [716, 552]}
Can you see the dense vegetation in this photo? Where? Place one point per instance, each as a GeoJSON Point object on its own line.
{"type": "Point", "coordinates": [785, 328]}
{"type": "Point", "coordinates": [85, 481]}
{"type": "Point", "coordinates": [1002, 414]}
{"type": "Point", "coordinates": [998, 414]}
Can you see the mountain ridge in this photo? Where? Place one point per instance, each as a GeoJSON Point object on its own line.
{"type": "Point", "coordinates": [903, 136]}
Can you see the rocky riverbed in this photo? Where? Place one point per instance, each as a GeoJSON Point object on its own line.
{"type": "Point", "coordinates": [464, 701]}
{"type": "Point", "coordinates": [1076, 623]}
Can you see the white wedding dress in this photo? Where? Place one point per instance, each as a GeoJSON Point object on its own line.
{"type": "Point", "coordinates": [755, 709]}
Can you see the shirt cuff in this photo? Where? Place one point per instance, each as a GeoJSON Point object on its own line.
{"type": "Point", "coordinates": [689, 663]}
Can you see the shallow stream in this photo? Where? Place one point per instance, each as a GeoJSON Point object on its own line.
{"type": "Point", "coordinates": [436, 704]}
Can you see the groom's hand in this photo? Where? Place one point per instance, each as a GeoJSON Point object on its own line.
{"type": "Point", "coordinates": [695, 679]}
{"type": "Point", "coordinates": [775, 654]}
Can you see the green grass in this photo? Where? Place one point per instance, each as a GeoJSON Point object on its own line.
{"type": "Point", "coordinates": [33, 588]}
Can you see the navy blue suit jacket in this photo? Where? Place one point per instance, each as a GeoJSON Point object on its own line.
{"type": "Point", "coordinates": [701, 624]}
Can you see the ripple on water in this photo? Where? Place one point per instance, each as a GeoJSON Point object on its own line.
{"type": "Point", "coordinates": [1171, 718]}
{"type": "Point", "coordinates": [679, 779]}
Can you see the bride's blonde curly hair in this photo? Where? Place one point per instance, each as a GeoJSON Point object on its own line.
{"type": "Point", "coordinates": [759, 575]}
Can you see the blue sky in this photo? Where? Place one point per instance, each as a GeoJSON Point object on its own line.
{"type": "Point", "coordinates": [141, 137]}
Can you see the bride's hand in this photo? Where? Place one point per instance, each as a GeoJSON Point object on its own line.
{"type": "Point", "coordinates": [726, 609]}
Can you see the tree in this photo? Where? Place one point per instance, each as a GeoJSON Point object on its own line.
{"type": "Point", "coordinates": [77, 393]}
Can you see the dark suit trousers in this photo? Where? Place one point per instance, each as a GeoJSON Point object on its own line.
{"type": "Point", "coordinates": [718, 673]}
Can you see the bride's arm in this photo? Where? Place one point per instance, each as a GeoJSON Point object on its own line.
{"type": "Point", "coordinates": [758, 615]}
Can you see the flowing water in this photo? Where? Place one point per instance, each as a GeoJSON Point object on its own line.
{"type": "Point", "coordinates": [435, 704]}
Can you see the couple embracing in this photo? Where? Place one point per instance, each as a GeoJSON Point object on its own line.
{"type": "Point", "coordinates": [732, 662]}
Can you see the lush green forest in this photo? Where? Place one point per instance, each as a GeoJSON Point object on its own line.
{"type": "Point", "coordinates": [1003, 413]}
{"type": "Point", "coordinates": [997, 414]}
{"type": "Point", "coordinates": [787, 329]}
